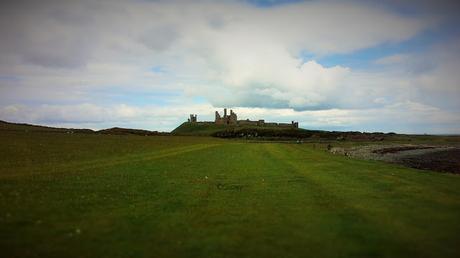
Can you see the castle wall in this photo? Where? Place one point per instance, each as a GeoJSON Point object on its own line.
{"type": "Point", "coordinates": [232, 119]}
{"type": "Point", "coordinates": [284, 125]}
{"type": "Point", "coordinates": [248, 122]}
{"type": "Point", "coordinates": [220, 121]}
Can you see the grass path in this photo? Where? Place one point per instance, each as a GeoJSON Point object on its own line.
{"type": "Point", "coordinates": [198, 197]}
{"type": "Point", "coordinates": [100, 163]}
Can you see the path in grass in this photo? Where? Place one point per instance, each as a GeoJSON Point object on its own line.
{"type": "Point", "coordinates": [199, 197]}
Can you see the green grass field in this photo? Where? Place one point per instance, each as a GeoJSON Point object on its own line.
{"type": "Point", "coordinates": [77, 195]}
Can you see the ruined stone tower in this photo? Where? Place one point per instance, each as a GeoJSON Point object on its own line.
{"type": "Point", "coordinates": [226, 119]}
{"type": "Point", "coordinates": [192, 118]}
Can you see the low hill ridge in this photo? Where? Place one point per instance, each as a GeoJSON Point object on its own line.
{"type": "Point", "coordinates": [7, 126]}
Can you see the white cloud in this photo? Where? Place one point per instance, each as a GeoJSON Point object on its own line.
{"type": "Point", "coordinates": [65, 54]}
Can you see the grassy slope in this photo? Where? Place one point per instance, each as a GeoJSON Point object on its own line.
{"type": "Point", "coordinates": [199, 129]}
{"type": "Point", "coordinates": [103, 195]}
{"type": "Point", "coordinates": [25, 127]}
{"type": "Point", "coordinates": [207, 129]}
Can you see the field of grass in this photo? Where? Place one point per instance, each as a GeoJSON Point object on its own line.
{"type": "Point", "coordinates": [77, 195]}
{"type": "Point", "coordinates": [199, 129]}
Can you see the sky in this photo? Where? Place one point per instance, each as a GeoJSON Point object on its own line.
{"type": "Point", "coordinates": [387, 66]}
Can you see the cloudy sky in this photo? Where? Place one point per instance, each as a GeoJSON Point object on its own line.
{"type": "Point", "coordinates": [335, 65]}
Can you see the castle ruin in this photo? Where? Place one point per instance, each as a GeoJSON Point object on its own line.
{"type": "Point", "coordinates": [226, 119]}
{"type": "Point", "coordinates": [232, 119]}
{"type": "Point", "coordinates": [192, 118]}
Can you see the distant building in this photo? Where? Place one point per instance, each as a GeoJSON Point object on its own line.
{"type": "Point", "coordinates": [192, 119]}
{"type": "Point", "coordinates": [232, 119]}
{"type": "Point", "coordinates": [226, 120]}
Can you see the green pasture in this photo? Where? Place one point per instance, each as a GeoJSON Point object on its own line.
{"type": "Point", "coordinates": [88, 195]}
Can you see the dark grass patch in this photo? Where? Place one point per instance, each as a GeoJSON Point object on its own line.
{"type": "Point", "coordinates": [229, 187]}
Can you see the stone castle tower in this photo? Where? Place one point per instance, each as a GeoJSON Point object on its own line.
{"type": "Point", "coordinates": [226, 119]}
{"type": "Point", "coordinates": [192, 118]}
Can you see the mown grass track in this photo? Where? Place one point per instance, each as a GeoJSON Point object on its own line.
{"type": "Point", "coordinates": [130, 196]}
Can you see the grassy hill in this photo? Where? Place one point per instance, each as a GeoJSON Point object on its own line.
{"type": "Point", "coordinates": [96, 195]}
{"type": "Point", "coordinates": [126, 131]}
{"type": "Point", "coordinates": [233, 131]}
{"type": "Point", "coordinates": [6, 126]}
{"type": "Point", "coordinates": [199, 129]}
{"type": "Point", "coordinates": [335, 137]}
{"type": "Point", "coordinates": [269, 132]}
